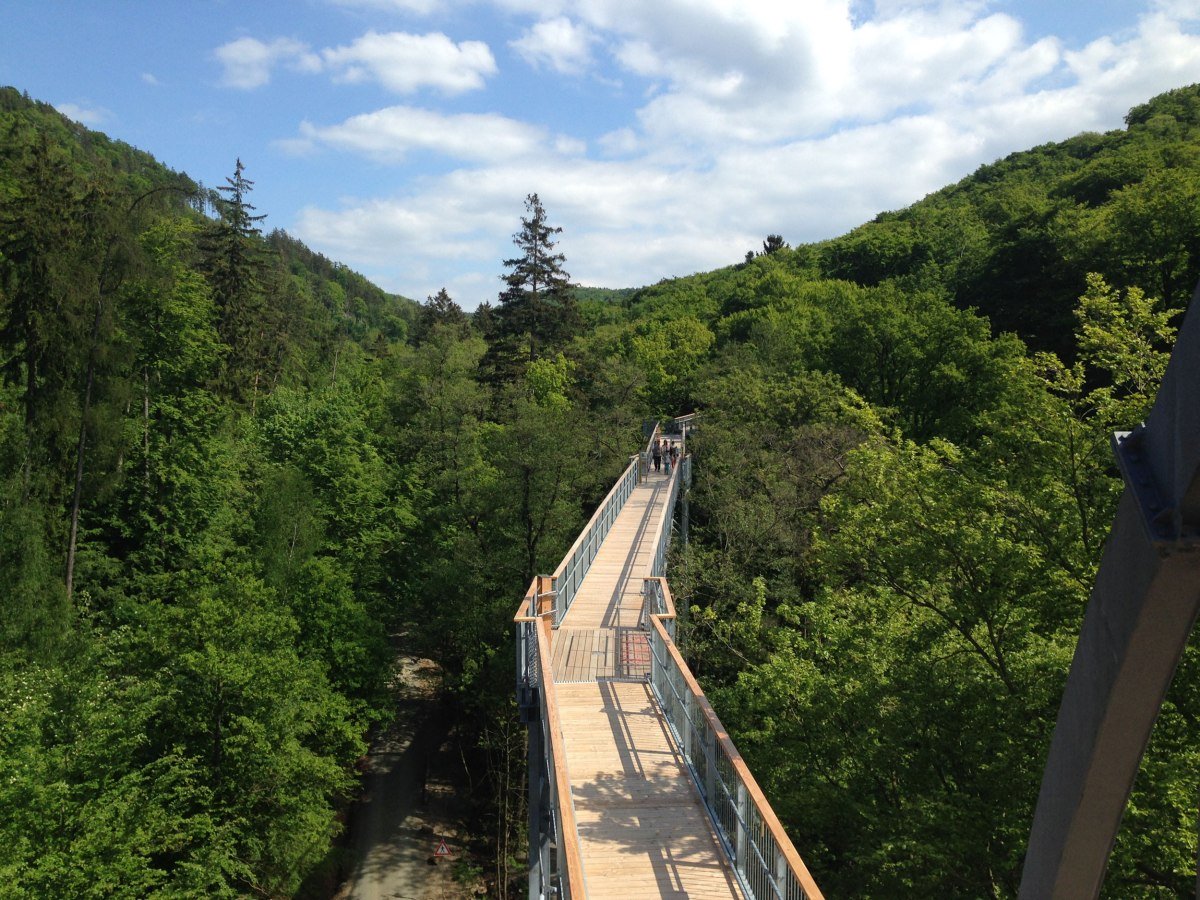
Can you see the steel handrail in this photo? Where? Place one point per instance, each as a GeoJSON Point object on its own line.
{"type": "Point", "coordinates": [571, 877]}
{"type": "Point", "coordinates": [766, 862]}
{"type": "Point", "coordinates": [578, 560]}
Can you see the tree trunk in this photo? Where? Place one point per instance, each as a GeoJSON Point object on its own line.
{"type": "Point", "coordinates": [146, 433]}
{"type": "Point", "coordinates": [80, 449]}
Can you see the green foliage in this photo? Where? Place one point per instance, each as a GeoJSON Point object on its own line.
{"type": "Point", "coordinates": [187, 721]}
{"type": "Point", "coordinates": [916, 597]}
{"type": "Point", "coordinates": [1016, 239]}
{"type": "Point", "coordinates": [274, 474]}
{"type": "Point", "coordinates": [537, 311]}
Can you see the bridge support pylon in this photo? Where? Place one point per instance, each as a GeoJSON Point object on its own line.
{"type": "Point", "coordinates": [1142, 610]}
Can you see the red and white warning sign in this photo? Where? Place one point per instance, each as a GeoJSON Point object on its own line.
{"type": "Point", "coordinates": [442, 849]}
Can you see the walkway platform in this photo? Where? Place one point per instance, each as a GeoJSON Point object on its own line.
{"type": "Point", "coordinates": [643, 828]}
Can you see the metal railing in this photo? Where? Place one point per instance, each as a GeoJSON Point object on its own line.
{"type": "Point", "coordinates": [574, 566]}
{"type": "Point", "coordinates": [657, 601]}
{"type": "Point", "coordinates": [566, 874]}
{"type": "Point", "coordinates": [666, 524]}
{"type": "Point", "coordinates": [766, 863]}
{"type": "Point", "coordinates": [537, 601]}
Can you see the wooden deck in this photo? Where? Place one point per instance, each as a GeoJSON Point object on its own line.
{"type": "Point", "coordinates": [589, 654]}
{"type": "Point", "coordinates": [611, 594]}
{"type": "Point", "coordinates": [643, 829]}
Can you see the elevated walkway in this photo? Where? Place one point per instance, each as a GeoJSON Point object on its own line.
{"type": "Point", "coordinates": [643, 828]}
{"type": "Point", "coordinates": [603, 634]}
{"type": "Point", "coordinates": [635, 789]}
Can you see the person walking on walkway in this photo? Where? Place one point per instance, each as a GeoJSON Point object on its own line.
{"type": "Point", "coordinates": [657, 456]}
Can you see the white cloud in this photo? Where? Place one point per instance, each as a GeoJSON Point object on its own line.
{"type": "Point", "coordinates": [401, 62]}
{"type": "Point", "coordinates": [248, 61]}
{"type": "Point", "coordinates": [404, 63]}
{"type": "Point", "coordinates": [150, 79]}
{"type": "Point", "coordinates": [801, 119]}
{"type": "Point", "coordinates": [1182, 10]}
{"type": "Point", "coordinates": [569, 146]}
{"type": "Point", "coordinates": [557, 43]}
{"type": "Point", "coordinates": [420, 7]}
{"type": "Point", "coordinates": [84, 115]}
{"type": "Point", "coordinates": [388, 135]}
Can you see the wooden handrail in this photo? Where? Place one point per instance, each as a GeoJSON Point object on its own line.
{"type": "Point", "coordinates": [592, 521]}
{"type": "Point", "coordinates": [541, 586]}
{"type": "Point", "coordinates": [653, 437]}
{"type": "Point", "coordinates": [770, 820]}
{"type": "Point", "coordinates": [571, 860]}
{"type": "Point", "coordinates": [668, 600]}
{"type": "Point", "coordinates": [523, 611]}
{"type": "Point", "coordinates": [665, 520]}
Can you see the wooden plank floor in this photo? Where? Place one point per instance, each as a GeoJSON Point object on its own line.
{"type": "Point", "coordinates": [588, 654]}
{"type": "Point", "coordinates": [611, 593]}
{"type": "Point", "coordinates": [643, 830]}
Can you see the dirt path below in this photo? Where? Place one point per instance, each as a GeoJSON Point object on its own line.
{"type": "Point", "coordinates": [410, 803]}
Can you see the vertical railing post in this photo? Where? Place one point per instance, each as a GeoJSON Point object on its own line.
{"type": "Point", "coordinates": [685, 727]}
{"type": "Point", "coordinates": [710, 767]}
{"type": "Point", "coordinates": [742, 849]}
{"type": "Point", "coordinates": [537, 835]}
{"type": "Point", "coordinates": [781, 872]}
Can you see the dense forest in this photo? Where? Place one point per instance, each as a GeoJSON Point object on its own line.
{"type": "Point", "coordinates": [235, 478]}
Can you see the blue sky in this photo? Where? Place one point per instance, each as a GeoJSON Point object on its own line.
{"type": "Point", "coordinates": [401, 136]}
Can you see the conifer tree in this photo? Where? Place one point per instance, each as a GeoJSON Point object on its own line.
{"type": "Point", "coordinates": [234, 267]}
{"type": "Point", "coordinates": [537, 310]}
{"type": "Point", "coordinates": [440, 309]}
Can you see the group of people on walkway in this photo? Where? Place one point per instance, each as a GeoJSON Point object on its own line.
{"type": "Point", "coordinates": [666, 451]}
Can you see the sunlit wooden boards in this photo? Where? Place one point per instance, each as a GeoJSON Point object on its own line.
{"type": "Point", "coordinates": [643, 831]}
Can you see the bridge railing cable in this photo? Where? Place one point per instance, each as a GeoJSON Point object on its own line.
{"type": "Point", "coordinates": [536, 689]}
{"type": "Point", "coordinates": [575, 565]}
{"type": "Point", "coordinates": [765, 860]}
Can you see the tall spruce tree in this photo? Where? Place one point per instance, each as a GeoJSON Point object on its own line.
{"type": "Point", "coordinates": [440, 309]}
{"type": "Point", "coordinates": [234, 266]}
{"type": "Point", "coordinates": [537, 310]}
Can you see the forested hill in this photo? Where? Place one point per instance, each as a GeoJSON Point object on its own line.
{"type": "Point", "coordinates": [110, 172]}
{"type": "Point", "coordinates": [903, 485]}
{"type": "Point", "coordinates": [1016, 239]}
{"type": "Point", "coordinates": [235, 478]}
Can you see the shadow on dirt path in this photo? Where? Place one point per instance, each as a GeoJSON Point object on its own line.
{"type": "Point", "coordinates": [411, 801]}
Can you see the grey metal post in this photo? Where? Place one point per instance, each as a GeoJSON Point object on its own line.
{"type": "Point", "coordinates": [742, 850]}
{"type": "Point", "coordinates": [710, 768]}
{"type": "Point", "coordinates": [683, 518]}
{"type": "Point", "coordinates": [686, 727]}
{"type": "Point", "coordinates": [1141, 611]}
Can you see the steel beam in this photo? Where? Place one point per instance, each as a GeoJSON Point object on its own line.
{"type": "Point", "coordinates": [536, 760]}
{"type": "Point", "coordinates": [1141, 612]}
